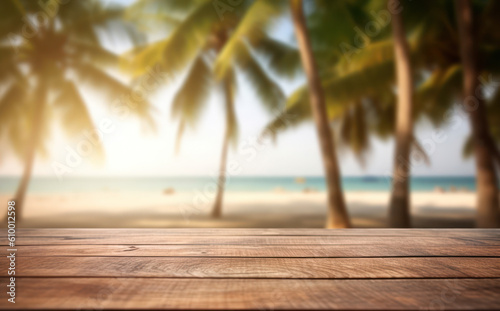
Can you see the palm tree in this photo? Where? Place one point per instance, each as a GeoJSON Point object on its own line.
{"type": "Point", "coordinates": [62, 53]}
{"type": "Point", "coordinates": [198, 43]}
{"type": "Point", "coordinates": [286, 63]}
{"type": "Point", "coordinates": [399, 209]}
{"type": "Point", "coordinates": [369, 76]}
{"type": "Point", "coordinates": [343, 90]}
{"type": "Point", "coordinates": [337, 217]}
{"type": "Point", "coordinates": [436, 51]}
{"type": "Point", "coordinates": [487, 183]}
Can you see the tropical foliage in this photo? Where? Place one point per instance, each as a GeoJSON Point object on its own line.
{"type": "Point", "coordinates": [211, 50]}
{"type": "Point", "coordinates": [360, 86]}
{"type": "Point", "coordinates": [344, 51]}
{"type": "Point", "coordinates": [47, 56]}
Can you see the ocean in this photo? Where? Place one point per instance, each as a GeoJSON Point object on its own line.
{"type": "Point", "coordinates": [49, 185]}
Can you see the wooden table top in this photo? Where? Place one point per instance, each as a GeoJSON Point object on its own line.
{"type": "Point", "coordinates": [256, 269]}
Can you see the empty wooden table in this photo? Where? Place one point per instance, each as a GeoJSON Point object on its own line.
{"type": "Point", "coordinates": [256, 269]}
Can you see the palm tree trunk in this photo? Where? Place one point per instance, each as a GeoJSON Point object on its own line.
{"type": "Point", "coordinates": [399, 208]}
{"type": "Point", "coordinates": [337, 213]}
{"type": "Point", "coordinates": [31, 150]}
{"type": "Point", "coordinates": [221, 182]}
{"type": "Point", "coordinates": [488, 214]}
{"type": "Point", "coordinates": [217, 208]}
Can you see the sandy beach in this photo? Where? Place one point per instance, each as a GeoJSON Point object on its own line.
{"type": "Point", "coordinates": [241, 209]}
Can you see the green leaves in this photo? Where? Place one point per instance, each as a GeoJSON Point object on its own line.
{"type": "Point", "coordinates": [436, 95]}
{"type": "Point", "coordinates": [198, 32]}
{"type": "Point", "coordinates": [190, 99]}
{"type": "Point", "coordinates": [267, 89]}
{"type": "Point", "coordinates": [354, 131]}
{"type": "Point", "coordinates": [95, 54]}
{"type": "Point", "coordinates": [68, 43]}
{"type": "Point", "coordinates": [15, 117]}
{"type": "Point", "coordinates": [180, 48]}
{"type": "Point", "coordinates": [251, 29]}
{"type": "Point", "coordinates": [297, 111]}
{"type": "Point", "coordinates": [75, 117]}
{"type": "Point", "coordinates": [162, 6]}
{"type": "Point", "coordinates": [284, 60]}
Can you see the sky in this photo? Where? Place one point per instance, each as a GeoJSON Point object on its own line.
{"type": "Point", "coordinates": [132, 150]}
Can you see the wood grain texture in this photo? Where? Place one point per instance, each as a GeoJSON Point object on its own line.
{"type": "Point", "coordinates": [279, 251]}
{"type": "Point", "coordinates": [256, 269]}
{"type": "Point", "coordinates": [112, 239]}
{"type": "Point", "coordinates": [394, 232]}
{"type": "Point", "coordinates": [291, 268]}
{"type": "Point", "coordinates": [257, 294]}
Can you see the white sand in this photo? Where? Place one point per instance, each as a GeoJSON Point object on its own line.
{"type": "Point", "coordinates": [249, 209]}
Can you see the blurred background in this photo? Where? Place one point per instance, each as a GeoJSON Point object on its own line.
{"type": "Point", "coordinates": [236, 113]}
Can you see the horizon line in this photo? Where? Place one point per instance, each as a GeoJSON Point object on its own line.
{"type": "Point", "coordinates": [242, 176]}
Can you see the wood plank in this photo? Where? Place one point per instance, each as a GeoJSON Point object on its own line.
{"type": "Point", "coordinates": [292, 268]}
{"type": "Point", "coordinates": [279, 251]}
{"type": "Point", "coordinates": [255, 240]}
{"type": "Point", "coordinates": [240, 294]}
{"type": "Point", "coordinates": [463, 233]}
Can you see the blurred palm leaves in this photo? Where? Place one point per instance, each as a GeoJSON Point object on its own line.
{"type": "Point", "coordinates": [57, 46]}
{"type": "Point", "coordinates": [212, 50]}
{"type": "Point", "coordinates": [364, 79]}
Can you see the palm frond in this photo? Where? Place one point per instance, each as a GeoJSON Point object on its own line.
{"type": "Point", "coordinates": [354, 131]}
{"type": "Point", "coordinates": [383, 114]}
{"type": "Point", "coordinates": [269, 92]}
{"type": "Point", "coordinates": [284, 60]}
{"type": "Point", "coordinates": [162, 6]}
{"type": "Point", "coordinates": [374, 53]}
{"type": "Point", "coordinates": [494, 115]}
{"type": "Point", "coordinates": [189, 101]}
{"type": "Point", "coordinates": [435, 96]}
{"type": "Point", "coordinates": [86, 20]}
{"type": "Point", "coordinates": [8, 68]}
{"type": "Point", "coordinates": [359, 83]}
{"type": "Point", "coordinates": [332, 23]}
{"type": "Point", "coordinates": [253, 27]}
{"type": "Point", "coordinates": [116, 92]}
{"type": "Point", "coordinates": [94, 53]}
{"type": "Point", "coordinates": [75, 118]}
{"type": "Point", "coordinates": [177, 51]}
{"type": "Point", "coordinates": [17, 114]}
{"type": "Point", "coordinates": [296, 112]}
{"type": "Point", "coordinates": [147, 22]}
{"type": "Point", "coordinates": [468, 147]}
{"type": "Point", "coordinates": [13, 106]}
{"type": "Point", "coordinates": [11, 18]}
{"type": "Point", "coordinates": [153, 15]}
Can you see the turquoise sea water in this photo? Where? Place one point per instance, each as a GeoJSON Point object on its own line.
{"type": "Point", "coordinates": [185, 184]}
